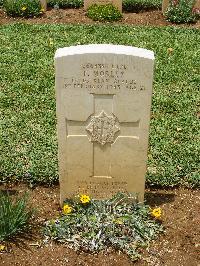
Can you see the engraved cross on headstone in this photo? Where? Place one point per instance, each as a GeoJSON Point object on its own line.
{"type": "Point", "coordinates": [103, 100]}
{"type": "Point", "coordinates": [103, 107]}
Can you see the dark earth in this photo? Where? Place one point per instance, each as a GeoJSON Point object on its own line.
{"type": "Point", "coordinates": [178, 246]}
{"type": "Point", "coordinates": [78, 16]}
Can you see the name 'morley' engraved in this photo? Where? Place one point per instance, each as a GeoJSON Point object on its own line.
{"type": "Point", "coordinates": [102, 128]}
{"type": "Point", "coordinates": [103, 79]}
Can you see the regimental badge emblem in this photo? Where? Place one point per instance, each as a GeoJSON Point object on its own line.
{"type": "Point", "coordinates": [102, 128]}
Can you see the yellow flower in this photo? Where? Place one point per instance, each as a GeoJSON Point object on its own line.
{"type": "Point", "coordinates": [50, 41]}
{"type": "Point", "coordinates": [67, 209]}
{"type": "Point", "coordinates": [84, 199]}
{"type": "Point", "coordinates": [170, 50]}
{"type": "Point", "coordinates": [118, 221]}
{"type": "Point", "coordinates": [156, 212]}
{"type": "Point", "coordinates": [23, 8]}
{"type": "Point", "coordinates": [41, 10]}
{"type": "Point", "coordinates": [2, 248]}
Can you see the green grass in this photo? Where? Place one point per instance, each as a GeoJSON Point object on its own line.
{"type": "Point", "coordinates": [28, 131]}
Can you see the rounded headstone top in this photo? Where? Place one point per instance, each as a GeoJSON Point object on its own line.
{"type": "Point", "coordinates": [104, 49]}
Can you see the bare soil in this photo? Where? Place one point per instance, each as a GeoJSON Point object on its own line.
{"type": "Point", "coordinates": [178, 246]}
{"type": "Point", "coordinates": [78, 16]}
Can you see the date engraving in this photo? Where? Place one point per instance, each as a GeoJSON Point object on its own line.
{"type": "Point", "coordinates": [103, 79]}
{"type": "Point", "coordinates": [101, 188]}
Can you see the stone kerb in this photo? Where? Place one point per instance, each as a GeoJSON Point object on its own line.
{"type": "Point", "coordinates": [103, 97]}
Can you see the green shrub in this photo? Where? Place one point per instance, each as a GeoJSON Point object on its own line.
{"type": "Point", "coordinates": [182, 11]}
{"type": "Point", "coordinates": [14, 216]}
{"type": "Point", "coordinates": [65, 3]}
{"type": "Point", "coordinates": [128, 5]}
{"type": "Point", "coordinates": [120, 223]}
{"type": "Point", "coordinates": [103, 13]}
{"type": "Point", "coordinates": [140, 5]}
{"type": "Point", "coordinates": [23, 8]}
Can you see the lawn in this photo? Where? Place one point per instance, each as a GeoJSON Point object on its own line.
{"type": "Point", "coordinates": [28, 125]}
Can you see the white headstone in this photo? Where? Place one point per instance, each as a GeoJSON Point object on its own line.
{"type": "Point", "coordinates": [103, 109]}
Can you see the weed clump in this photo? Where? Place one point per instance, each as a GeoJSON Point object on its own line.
{"type": "Point", "coordinates": [96, 225]}
{"type": "Point", "coordinates": [182, 11]}
{"type": "Point", "coordinates": [14, 215]}
{"type": "Point", "coordinates": [23, 8]}
{"type": "Point", "coordinates": [104, 13]}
